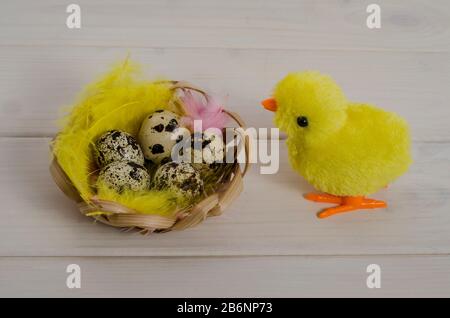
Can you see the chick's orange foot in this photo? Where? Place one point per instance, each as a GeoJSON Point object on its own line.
{"type": "Point", "coordinates": [346, 204]}
{"type": "Point", "coordinates": [323, 197]}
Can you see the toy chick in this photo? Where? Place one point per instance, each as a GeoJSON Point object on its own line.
{"type": "Point", "coordinates": [345, 150]}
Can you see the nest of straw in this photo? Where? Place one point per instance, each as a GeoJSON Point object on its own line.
{"type": "Point", "coordinates": [228, 186]}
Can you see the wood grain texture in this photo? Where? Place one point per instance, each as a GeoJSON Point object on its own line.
{"type": "Point", "coordinates": [333, 24]}
{"type": "Point", "coordinates": [293, 276]}
{"type": "Point", "coordinates": [270, 217]}
{"type": "Point", "coordinates": [269, 243]}
{"type": "Point", "coordinates": [36, 84]}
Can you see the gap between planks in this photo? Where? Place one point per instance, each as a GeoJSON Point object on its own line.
{"type": "Point", "coordinates": [282, 137]}
{"type": "Point", "coordinates": [230, 256]}
{"type": "Point", "coordinates": [263, 49]}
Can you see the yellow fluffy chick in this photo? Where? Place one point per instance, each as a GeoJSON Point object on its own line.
{"type": "Point", "coordinates": [346, 150]}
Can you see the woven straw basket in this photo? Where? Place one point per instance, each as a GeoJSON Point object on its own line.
{"type": "Point", "coordinates": [121, 216]}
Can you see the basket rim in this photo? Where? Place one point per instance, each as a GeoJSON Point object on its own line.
{"type": "Point", "coordinates": [118, 215]}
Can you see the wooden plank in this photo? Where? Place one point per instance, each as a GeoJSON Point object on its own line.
{"type": "Point", "coordinates": [35, 84]}
{"type": "Point", "coordinates": [308, 24]}
{"type": "Point", "coordinates": [401, 276]}
{"type": "Point", "coordinates": [270, 217]}
{"type": "Point", "coordinates": [269, 243]}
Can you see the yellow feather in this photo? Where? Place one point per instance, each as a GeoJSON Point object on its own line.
{"type": "Point", "coordinates": [147, 202]}
{"type": "Point", "coordinates": [119, 100]}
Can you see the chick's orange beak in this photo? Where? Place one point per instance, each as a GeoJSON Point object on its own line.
{"type": "Point", "coordinates": [270, 104]}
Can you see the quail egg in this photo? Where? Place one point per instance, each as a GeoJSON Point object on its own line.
{"type": "Point", "coordinates": [179, 177]}
{"type": "Point", "coordinates": [157, 136]}
{"type": "Point", "coordinates": [124, 175]}
{"type": "Point", "coordinates": [206, 152]}
{"type": "Point", "coordinates": [117, 145]}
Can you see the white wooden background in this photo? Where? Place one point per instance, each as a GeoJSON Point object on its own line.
{"type": "Point", "coordinates": [269, 243]}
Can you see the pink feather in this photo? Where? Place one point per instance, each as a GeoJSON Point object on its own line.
{"type": "Point", "coordinates": [208, 111]}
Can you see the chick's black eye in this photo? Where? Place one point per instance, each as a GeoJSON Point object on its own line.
{"type": "Point", "coordinates": [302, 121]}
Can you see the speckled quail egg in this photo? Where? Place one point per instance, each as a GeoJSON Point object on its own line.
{"type": "Point", "coordinates": [117, 145]}
{"type": "Point", "coordinates": [124, 175]}
{"type": "Point", "coordinates": [206, 152]}
{"type": "Point", "coordinates": [157, 136]}
{"type": "Point", "coordinates": [179, 177]}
